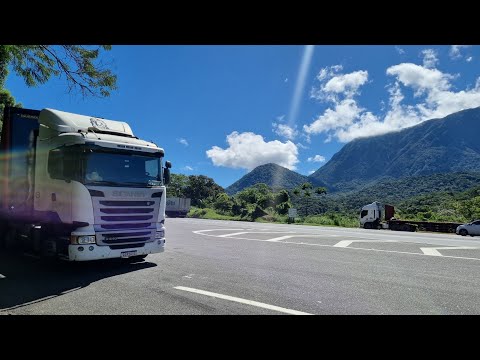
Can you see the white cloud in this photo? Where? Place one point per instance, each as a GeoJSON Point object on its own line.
{"type": "Point", "coordinates": [430, 59]}
{"type": "Point", "coordinates": [311, 172]}
{"type": "Point", "coordinates": [187, 168]}
{"type": "Point", "coordinates": [470, 58]}
{"type": "Point", "coordinates": [333, 84]}
{"type": "Point", "coordinates": [286, 80]}
{"type": "Point", "coordinates": [345, 120]}
{"type": "Point", "coordinates": [316, 158]}
{"type": "Point", "coordinates": [343, 114]}
{"type": "Point", "coordinates": [285, 131]}
{"type": "Point", "coordinates": [419, 77]}
{"type": "Point", "coordinates": [455, 51]}
{"type": "Point", "coordinates": [399, 50]}
{"type": "Point", "coordinates": [329, 71]}
{"type": "Point", "coordinates": [348, 83]}
{"type": "Point", "coordinates": [248, 150]}
{"type": "Point", "coordinates": [183, 141]}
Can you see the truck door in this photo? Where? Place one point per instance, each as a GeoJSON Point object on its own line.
{"type": "Point", "coordinates": [60, 189]}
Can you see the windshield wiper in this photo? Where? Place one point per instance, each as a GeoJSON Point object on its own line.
{"type": "Point", "coordinates": [103, 182]}
{"type": "Point", "coordinates": [136, 183]}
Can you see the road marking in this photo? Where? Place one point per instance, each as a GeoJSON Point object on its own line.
{"type": "Point", "coordinates": [242, 301]}
{"type": "Point", "coordinates": [281, 238]}
{"type": "Point", "coordinates": [433, 251]}
{"type": "Point", "coordinates": [346, 243]}
{"type": "Point", "coordinates": [233, 234]}
{"type": "Point", "coordinates": [2, 276]}
{"type": "Point", "coordinates": [200, 232]}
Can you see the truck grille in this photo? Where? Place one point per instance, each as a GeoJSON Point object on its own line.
{"type": "Point", "coordinates": [122, 224]}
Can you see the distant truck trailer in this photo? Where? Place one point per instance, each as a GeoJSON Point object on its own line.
{"type": "Point", "coordinates": [177, 207]}
{"type": "Point", "coordinates": [371, 218]}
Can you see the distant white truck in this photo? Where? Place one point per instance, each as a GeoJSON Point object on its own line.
{"type": "Point", "coordinates": [177, 207]}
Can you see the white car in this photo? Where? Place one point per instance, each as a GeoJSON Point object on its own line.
{"type": "Point", "coordinates": [471, 229]}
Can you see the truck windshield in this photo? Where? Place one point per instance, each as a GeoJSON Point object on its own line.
{"type": "Point", "coordinates": [101, 166]}
{"type": "Point", "coordinates": [122, 169]}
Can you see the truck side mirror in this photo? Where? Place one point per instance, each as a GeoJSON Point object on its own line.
{"type": "Point", "coordinates": [166, 176]}
{"type": "Point", "coordinates": [168, 164]}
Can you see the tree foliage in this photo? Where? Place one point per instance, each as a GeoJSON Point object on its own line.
{"type": "Point", "coordinates": [306, 195]}
{"type": "Point", "coordinates": [177, 186]}
{"type": "Point", "coordinates": [200, 188]}
{"type": "Point", "coordinates": [80, 66]}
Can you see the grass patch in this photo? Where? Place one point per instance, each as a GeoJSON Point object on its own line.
{"type": "Point", "coordinates": [330, 219]}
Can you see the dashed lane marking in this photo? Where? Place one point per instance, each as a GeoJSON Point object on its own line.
{"type": "Point", "coordinates": [433, 251]}
{"type": "Point", "coordinates": [242, 301]}
{"type": "Point", "coordinates": [346, 243]}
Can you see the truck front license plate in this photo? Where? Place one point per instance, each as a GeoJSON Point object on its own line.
{"type": "Point", "coordinates": [127, 254]}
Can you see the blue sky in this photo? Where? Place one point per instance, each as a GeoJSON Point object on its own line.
{"type": "Point", "coordinates": [222, 110]}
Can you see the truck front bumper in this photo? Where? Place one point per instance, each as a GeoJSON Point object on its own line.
{"type": "Point", "coordinates": [95, 252]}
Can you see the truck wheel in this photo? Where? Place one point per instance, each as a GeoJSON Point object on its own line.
{"type": "Point", "coordinates": [367, 225]}
{"type": "Point", "coordinates": [3, 229]}
{"type": "Point", "coordinates": [463, 232]}
{"type": "Point", "coordinates": [10, 239]}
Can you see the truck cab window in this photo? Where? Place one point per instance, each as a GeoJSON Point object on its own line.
{"type": "Point", "coordinates": [55, 164]}
{"type": "Point", "coordinates": [363, 213]}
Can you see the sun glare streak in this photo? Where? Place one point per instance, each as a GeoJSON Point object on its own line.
{"type": "Point", "coordinates": [300, 84]}
{"type": "Point", "coordinates": [297, 95]}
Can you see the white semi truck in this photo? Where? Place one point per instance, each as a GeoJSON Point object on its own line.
{"type": "Point", "coordinates": [80, 187]}
{"type": "Point", "coordinates": [371, 217]}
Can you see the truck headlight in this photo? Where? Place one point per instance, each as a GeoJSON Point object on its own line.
{"type": "Point", "coordinates": [82, 239]}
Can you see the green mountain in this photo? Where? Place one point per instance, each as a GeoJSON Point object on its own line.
{"type": "Point", "coordinates": [273, 175]}
{"type": "Point", "coordinates": [450, 144]}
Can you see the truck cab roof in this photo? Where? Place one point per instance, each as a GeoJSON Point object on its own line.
{"type": "Point", "coordinates": [65, 122]}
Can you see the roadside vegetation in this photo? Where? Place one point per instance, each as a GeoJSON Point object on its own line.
{"type": "Point", "coordinates": [315, 206]}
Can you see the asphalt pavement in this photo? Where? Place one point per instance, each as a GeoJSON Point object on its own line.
{"type": "Point", "coordinates": [242, 268]}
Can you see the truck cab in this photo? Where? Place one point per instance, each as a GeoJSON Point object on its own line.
{"type": "Point", "coordinates": [86, 187]}
{"type": "Point", "coordinates": [371, 215]}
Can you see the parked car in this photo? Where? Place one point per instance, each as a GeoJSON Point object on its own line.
{"type": "Point", "coordinates": [471, 229]}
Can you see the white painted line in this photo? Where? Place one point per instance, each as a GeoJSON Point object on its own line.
{"type": "Point", "coordinates": [433, 251]}
{"type": "Point", "coordinates": [280, 238]}
{"type": "Point", "coordinates": [201, 232]}
{"type": "Point", "coordinates": [253, 232]}
{"type": "Point", "coordinates": [2, 276]}
{"type": "Point", "coordinates": [242, 301]}
{"type": "Point", "coordinates": [343, 243]}
{"type": "Point", "coordinates": [346, 243]}
{"type": "Point", "coordinates": [430, 251]}
{"type": "Point", "coordinates": [232, 234]}
{"type": "Point", "coordinates": [352, 248]}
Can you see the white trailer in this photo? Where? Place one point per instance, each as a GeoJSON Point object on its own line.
{"type": "Point", "coordinates": [177, 207]}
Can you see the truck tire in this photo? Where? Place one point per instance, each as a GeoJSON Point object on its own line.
{"type": "Point", "coordinates": [10, 239]}
{"type": "Point", "coordinates": [463, 232]}
{"type": "Point", "coordinates": [3, 228]}
{"type": "Point", "coordinates": [367, 225]}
